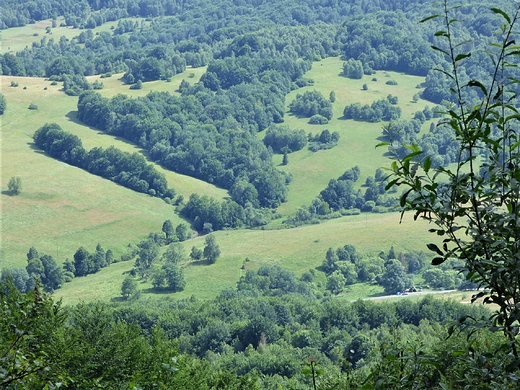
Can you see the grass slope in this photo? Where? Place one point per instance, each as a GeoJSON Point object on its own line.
{"type": "Point", "coordinates": [17, 38]}
{"type": "Point", "coordinates": [297, 250]}
{"type": "Point", "coordinates": [62, 207]}
{"type": "Point", "coordinates": [312, 171]}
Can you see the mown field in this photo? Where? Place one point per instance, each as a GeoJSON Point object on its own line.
{"type": "Point", "coordinates": [312, 171]}
{"type": "Point", "coordinates": [62, 207]}
{"type": "Point", "coordinates": [16, 39]}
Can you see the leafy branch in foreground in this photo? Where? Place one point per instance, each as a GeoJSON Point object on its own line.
{"type": "Point", "coordinates": [475, 202]}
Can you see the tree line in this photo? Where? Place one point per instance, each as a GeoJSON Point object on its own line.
{"type": "Point", "coordinates": [127, 169]}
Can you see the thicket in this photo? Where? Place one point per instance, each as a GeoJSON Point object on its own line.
{"type": "Point", "coordinates": [380, 110]}
{"type": "Point", "coordinates": [202, 134]}
{"type": "Point", "coordinates": [322, 141]}
{"type": "Point", "coordinates": [311, 103]}
{"type": "Point", "coordinates": [283, 139]}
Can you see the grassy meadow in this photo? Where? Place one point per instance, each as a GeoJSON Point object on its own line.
{"type": "Point", "coordinates": [312, 171]}
{"type": "Point", "coordinates": [62, 207]}
{"type": "Point", "coordinates": [16, 39]}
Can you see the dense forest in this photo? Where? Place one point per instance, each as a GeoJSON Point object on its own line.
{"type": "Point", "coordinates": [274, 329]}
{"type": "Point", "coordinates": [263, 334]}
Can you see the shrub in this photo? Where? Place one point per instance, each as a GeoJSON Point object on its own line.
{"type": "Point", "coordinates": [318, 120]}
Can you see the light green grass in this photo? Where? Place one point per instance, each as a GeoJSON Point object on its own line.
{"type": "Point", "coordinates": [114, 85]}
{"type": "Point", "coordinates": [297, 250]}
{"type": "Point", "coordinates": [312, 171]}
{"type": "Point", "coordinates": [62, 207]}
{"type": "Point", "coordinates": [18, 38]}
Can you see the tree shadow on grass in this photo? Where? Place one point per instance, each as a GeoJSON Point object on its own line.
{"type": "Point", "coordinates": [73, 117]}
{"type": "Point", "coordinates": [199, 262]}
{"type": "Point", "coordinates": [160, 291]}
{"type": "Point", "coordinates": [35, 147]}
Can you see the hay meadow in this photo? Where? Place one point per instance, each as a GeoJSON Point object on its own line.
{"type": "Point", "coordinates": [62, 207]}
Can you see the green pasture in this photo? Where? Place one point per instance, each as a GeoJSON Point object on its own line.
{"type": "Point", "coordinates": [312, 171]}
{"type": "Point", "coordinates": [114, 85]}
{"type": "Point", "coordinates": [297, 250]}
{"type": "Point", "coordinates": [17, 38]}
{"type": "Point", "coordinates": [62, 207]}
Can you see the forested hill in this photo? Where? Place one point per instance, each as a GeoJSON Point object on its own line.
{"type": "Point", "coordinates": [93, 12]}
{"type": "Point", "coordinates": [256, 52]}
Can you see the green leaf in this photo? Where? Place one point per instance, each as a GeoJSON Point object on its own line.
{"type": "Point", "coordinates": [441, 50]}
{"type": "Point", "coordinates": [402, 201]}
{"type": "Point", "coordinates": [382, 144]}
{"type": "Point", "coordinates": [441, 34]}
{"type": "Point", "coordinates": [438, 260]}
{"type": "Point", "coordinates": [462, 56]}
{"type": "Point", "coordinates": [427, 164]}
{"type": "Point", "coordinates": [513, 365]}
{"type": "Point", "coordinates": [435, 248]}
{"type": "Point", "coordinates": [429, 18]}
{"type": "Point", "coordinates": [500, 12]}
{"type": "Point", "coordinates": [475, 83]}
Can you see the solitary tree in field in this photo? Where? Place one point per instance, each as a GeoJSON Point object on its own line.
{"type": "Point", "coordinates": [211, 250]}
{"type": "Point", "coordinates": [129, 287]}
{"type": "Point", "coordinates": [15, 185]}
{"type": "Point", "coordinates": [167, 228]}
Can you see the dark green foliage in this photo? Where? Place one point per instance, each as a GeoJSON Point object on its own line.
{"type": "Point", "coordinates": [311, 103]}
{"type": "Point", "coordinates": [33, 106]}
{"type": "Point", "coordinates": [182, 232]}
{"type": "Point", "coordinates": [394, 278]}
{"type": "Point", "coordinates": [74, 85]}
{"type": "Point", "coordinates": [3, 104]}
{"type": "Point", "coordinates": [318, 120]}
{"type": "Point", "coordinates": [353, 69]}
{"type": "Point", "coordinates": [168, 230]}
{"type": "Point", "coordinates": [174, 277]}
{"type": "Point", "coordinates": [272, 280]}
{"type": "Point", "coordinates": [180, 144]}
{"type": "Point", "coordinates": [282, 139]}
{"type": "Point", "coordinates": [196, 254]}
{"type": "Point", "coordinates": [351, 174]}
{"type": "Point", "coordinates": [19, 277]}
{"type": "Point", "coordinates": [322, 141]}
{"type": "Point", "coordinates": [148, 252]}
{"type": "Point", "coordinates": [29, 333]}
{"type": "Point", "coordinates": [203, 209]}
{"type": "Point", "coordinates": [211, 250]}
{"type": "Point", "coordinates": [174, 254]}
{"type": "Point", "coordinates": [339, 194]}
{"type": "Point", "coordinates": [380, 110]}
{"type": "Point", "coordinates": [15, 185]}
{"type": "Point", "coordinates": [129, 287]}
{"type": "Point", "coordinates": [127, 169]}
{"type": "Point", "coordinates": [83, 263]}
